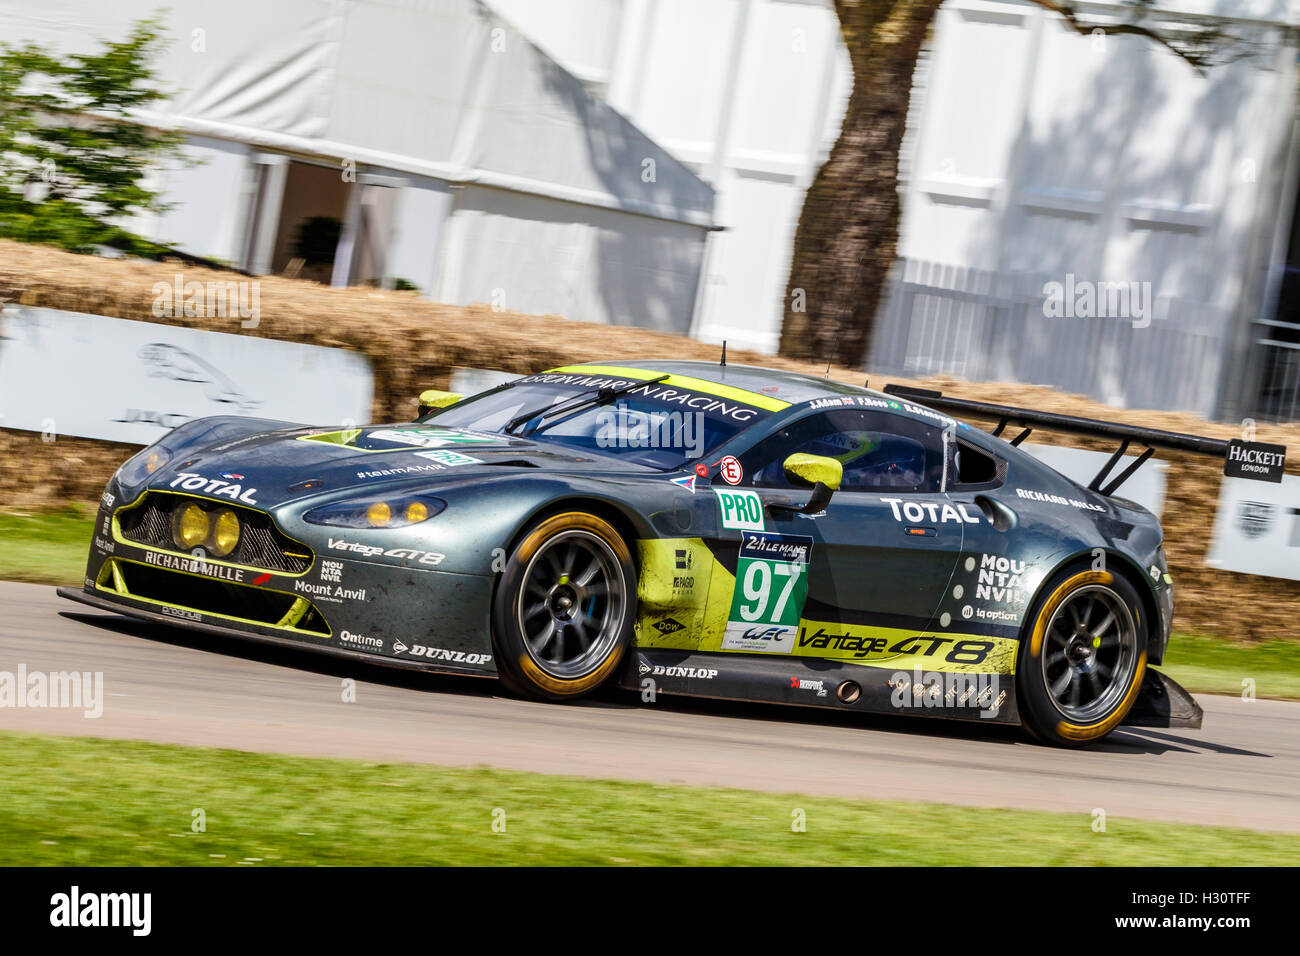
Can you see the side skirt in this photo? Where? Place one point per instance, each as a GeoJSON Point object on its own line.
{"type": "Point", "coordinates": [153, 617]}
{"type": "Point", "coordinates": [811, 682]}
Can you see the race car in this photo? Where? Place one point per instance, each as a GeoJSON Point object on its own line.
{"type": "Point", "coordinates": [676, 527]}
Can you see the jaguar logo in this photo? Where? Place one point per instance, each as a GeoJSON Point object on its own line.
{"type": "Point", "coordinates": [1254, 518]}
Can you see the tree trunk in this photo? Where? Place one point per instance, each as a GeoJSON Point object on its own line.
{"type": "Point", "coordinates": [848, 229]}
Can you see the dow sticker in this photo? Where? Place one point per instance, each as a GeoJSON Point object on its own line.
{"type": "Point", "coordinates": [771, 586]}
{"type": "Point", "coordinates": [741, 510]}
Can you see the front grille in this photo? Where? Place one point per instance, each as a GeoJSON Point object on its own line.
{"type": "Point", "coordinates": [189, 591]}
{"type": "Point", "coordinates": [260, 546]}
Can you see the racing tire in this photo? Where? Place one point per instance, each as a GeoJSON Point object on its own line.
{"type": "Point", "coordinates": [1083, 653]}
{"type": "Point", "coordinates": [564, 609]}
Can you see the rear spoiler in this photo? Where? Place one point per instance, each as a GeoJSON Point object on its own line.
{"type": "Point", "coordinates": [1005, 415]}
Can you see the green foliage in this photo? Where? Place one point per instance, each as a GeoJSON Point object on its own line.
{"type": "Point", "coordinates": [72, 167]}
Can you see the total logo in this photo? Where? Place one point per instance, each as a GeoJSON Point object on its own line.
{"type": "Point", "coordinates": [218, 487]}
{"type": "Point", "coordinates": [370, 551]}
{"type": "Point", "coordinates": [936, 513]}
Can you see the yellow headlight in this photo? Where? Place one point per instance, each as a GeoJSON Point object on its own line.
{"type": "Point", "coordinates": [379, 514]}
{"type": "Point", "coordinates": [225, 533]}
{"type": "Point", "coordinates": [152, 462]}
{"type": "Point", "coordinates": [190, 527]}
{"type": "Point", "coordinates": [416, 512]}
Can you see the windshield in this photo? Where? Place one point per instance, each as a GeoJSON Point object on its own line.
{"type": "Point", "coordinates": [657, 424]}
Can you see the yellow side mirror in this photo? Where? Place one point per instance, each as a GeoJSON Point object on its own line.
{"type": "Point", "coordinates": [432, 398]}
{"type": "Point", "coordinates": [815, 468]}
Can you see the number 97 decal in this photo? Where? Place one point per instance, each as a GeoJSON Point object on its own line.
{"type": "Point", "coordinates": [771, 586]}
{"type": "Point", "coordinates": [757, 588]}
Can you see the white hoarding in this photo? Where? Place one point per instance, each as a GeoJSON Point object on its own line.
{"type": "Point", "coordinates": [1257, 528]}
{"type": "Point", "coordinates": [1146, 486]}
{"type": "Point", "coordinates": [472, 381]}
{"type": "Point", "coordinates": [67, 373]}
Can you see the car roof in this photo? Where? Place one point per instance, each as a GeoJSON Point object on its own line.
{"type": "Point", "coordinates": [791, 387]}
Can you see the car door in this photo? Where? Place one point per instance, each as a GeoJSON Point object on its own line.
{"type": "Point", "coordinates": [876, 562]}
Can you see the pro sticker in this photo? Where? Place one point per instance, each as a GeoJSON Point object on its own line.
{"type": "Point", "coordinates": [740, 510]}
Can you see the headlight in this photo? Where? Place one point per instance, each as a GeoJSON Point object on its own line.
{"type": "Point", "coordinates": [225, 533]}
{"type": "Point", "coordinates": [143, 465]}
{"type": "Point", "coordinates": [378, 511]}
{"type": "Point", "coordinates": [189, 527]}
{"type": "Point", "coordinates": [217, 531]}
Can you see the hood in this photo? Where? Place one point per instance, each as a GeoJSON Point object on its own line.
{"type": "Point", "coordinates": [269, 468]}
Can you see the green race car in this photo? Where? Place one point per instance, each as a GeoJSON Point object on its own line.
{"type": "Point", "coordinates": [678, 527]}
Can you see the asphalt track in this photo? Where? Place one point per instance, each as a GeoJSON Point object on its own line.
{"type": "Point", "coordinates": [168, 685]}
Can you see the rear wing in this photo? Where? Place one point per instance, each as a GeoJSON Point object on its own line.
{"type": "Point", "coordinates": [1005, 415]}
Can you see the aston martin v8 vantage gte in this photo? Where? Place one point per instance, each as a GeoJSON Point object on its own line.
{"type": "Point", "coordinates": [682, 527]}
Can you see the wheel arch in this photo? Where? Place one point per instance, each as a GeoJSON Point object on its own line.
{"type": "Point", "coordinates": [1117, 563]}
{"type": "Point", "coordinates": [628, 526]}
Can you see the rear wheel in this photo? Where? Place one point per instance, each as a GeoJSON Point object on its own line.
{"type": "Point", "coordinates": [1082, 657]}
{"type": "Point", "coordinates": [563, 612]}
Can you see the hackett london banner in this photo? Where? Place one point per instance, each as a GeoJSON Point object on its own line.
{"type": "Point", "coordinates": [68, 373]}
{"type": "Point", "coordinates": [1259, 461]}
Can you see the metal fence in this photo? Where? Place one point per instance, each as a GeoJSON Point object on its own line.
{"type": "Point", "coordinates": [1275, 360]}
{"type": "Point", "coordinates": [980, 325]}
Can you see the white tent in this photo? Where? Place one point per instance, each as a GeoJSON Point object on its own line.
{"type": "Point", "coordinates": [457, 155]}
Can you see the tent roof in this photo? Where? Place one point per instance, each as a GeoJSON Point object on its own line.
{"type": "Point", "coordinates": [444, 88]}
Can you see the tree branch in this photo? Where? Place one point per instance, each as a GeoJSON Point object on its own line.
{"type": "Point", "coordinates": [1206, 45]}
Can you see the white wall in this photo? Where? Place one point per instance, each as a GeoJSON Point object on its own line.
{"type": "Point", "coordinates": [749, 93]}
{"type": "Point", "coordinates": [537, 255]}
{"type": "Point", "coordinates": [194, 223]}
{"type": "Point", "coordinates": [1036, 153]}
{"type": "Point", "coordinates": [1031, 148]}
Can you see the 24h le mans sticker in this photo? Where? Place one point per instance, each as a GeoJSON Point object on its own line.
{"type": "Point", "coordinates": [771, 586]}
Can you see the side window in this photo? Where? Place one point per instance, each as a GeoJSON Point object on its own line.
{"type": "Point", "coordinates": [877, 451]}
{"type": "Point", "coordinates": [975, 469]}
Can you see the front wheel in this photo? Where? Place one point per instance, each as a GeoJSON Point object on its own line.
{"type": "Point", "coordinates": [563, 612]}
{"type": "Point", "coordinates": [1082, 657]}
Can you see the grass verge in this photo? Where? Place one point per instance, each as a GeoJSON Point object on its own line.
{"type": "Point", "coordinates": [46, 548]}
{"type": "Point", "coordinates": [51, 548]}
{"type": "Point", "coordinates": [1211, 665]}
{"type": "Point", "coordinates": [80, 801]}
